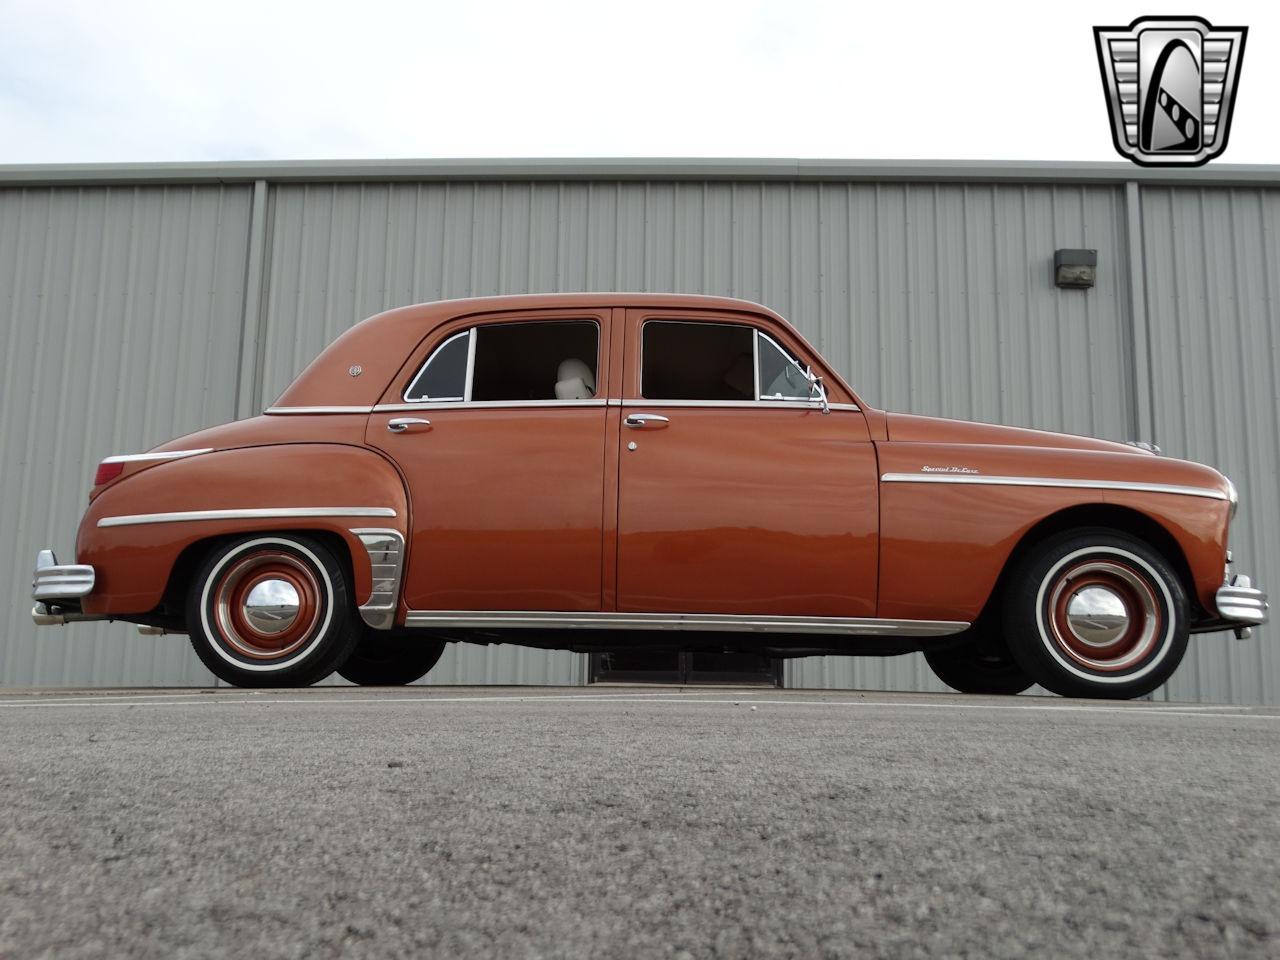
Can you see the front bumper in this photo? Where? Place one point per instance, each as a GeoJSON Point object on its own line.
{"type": "Point", "coordinates": [57, 589]}
{"type": "Point", "coordinates": [1241, 604]}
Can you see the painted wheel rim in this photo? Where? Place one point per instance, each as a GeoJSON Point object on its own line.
{"type": "Point", "coordinates": [1104, 615]}
{"type": "Point", "coordinates": [267, 604]}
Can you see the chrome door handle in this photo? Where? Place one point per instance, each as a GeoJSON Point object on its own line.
{"type": "Point", "coordinates": [638, 421]}
{"type": "Point", "coordinates": [404, 424]}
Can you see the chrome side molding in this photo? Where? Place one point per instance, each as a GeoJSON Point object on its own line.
{"type": "Point", "coordinates": [386, 559]}
{"type": "Point", "coordinates": [245, 513]}
{"type": "Point", "coordinates": [994, 481]}
{"type": "Point", "coordinates": [281, 410]}
{"type": "Point", "coordinates": [594, 402]}
{"type": "Point", "coordinates": [723, 622]}
{"type": "Point", "coordinates": [166, 455]}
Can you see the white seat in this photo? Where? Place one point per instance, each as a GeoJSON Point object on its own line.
{"type": "Point", "coordinates": [574, 380]}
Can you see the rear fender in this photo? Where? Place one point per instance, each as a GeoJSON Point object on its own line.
{"type": "Point", "coordinates": [133, 539]}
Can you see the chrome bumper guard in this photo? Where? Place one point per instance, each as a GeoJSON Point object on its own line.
{"type": "Point", "coordinates": [57, 589]}
{"type": "Point", "coordinates": [1242, 604]}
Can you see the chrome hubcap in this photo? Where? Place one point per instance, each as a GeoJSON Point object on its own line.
{"type": "Point", "coordinates": [1097, 615]}
{"type": "Point", "coordinates": [1103, 614]}
{"type": "Point", "coordinates": [271, 606]}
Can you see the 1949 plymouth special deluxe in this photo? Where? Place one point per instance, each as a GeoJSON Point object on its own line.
{"type": "Point", "coordinates": [600, 471]}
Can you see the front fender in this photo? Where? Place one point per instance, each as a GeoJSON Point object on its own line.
{"type": "Point", "coordinates": [134, 531]}
{"type": "Point", "coordinates": [949, 526]}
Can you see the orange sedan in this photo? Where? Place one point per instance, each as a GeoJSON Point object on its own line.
{"type": "Point", "coordinates": [613, 471]}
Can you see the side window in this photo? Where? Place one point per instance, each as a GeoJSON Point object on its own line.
{"type": "Point", "coordinates": [685, 360]}
{"type": "Point", "coordinates": [444, 375]}
{"type": "Point", "coordinates": [781, 376]}
{"type": "Point", "coordinates": [512, 362]}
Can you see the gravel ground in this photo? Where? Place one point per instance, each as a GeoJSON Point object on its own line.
{"type": "Point", "coordinates": [621, 822]}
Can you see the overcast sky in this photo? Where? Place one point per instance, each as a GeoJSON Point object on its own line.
{"type": "Point", "coordinates": [128, 80]}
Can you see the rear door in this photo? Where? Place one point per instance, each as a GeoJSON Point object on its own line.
{"type": "Point", "coordinates": [499, 430]}
{"type": "Point", "coordinates": [736, 493]}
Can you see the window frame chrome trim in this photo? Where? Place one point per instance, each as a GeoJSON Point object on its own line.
{"type": "Point", "coordinates": [166, 455]}
{"type": "Point", "coordinates": [468, 383]}
{"type": "Point", "coordinates": [593, 402]}
{"type": "Point", "coordinates": [755, 363]}
{"type": "Point", "coordinates": [1002, 481]}
{"type": "Point", "coordinates": [737, 404]}
{"type": "Point", "coordinates": [244, 513]}
{"type": "Point", "coordinates": [483, 404]}
{"type": "Point", "coordinates": [737, 623]}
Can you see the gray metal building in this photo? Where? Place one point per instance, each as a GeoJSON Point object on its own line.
{"type": "Point", "coordinates": [138, 303]}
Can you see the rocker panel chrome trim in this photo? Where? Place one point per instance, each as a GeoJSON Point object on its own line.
{"type": "Point", "coordinates": [981, 480]}
{"type": "Point", "coordinates": [526, 619]}
{"type": "Point", "coordinates": [248, 513]}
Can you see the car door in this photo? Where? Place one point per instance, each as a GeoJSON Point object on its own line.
{"type": "Point", "coordinates": [498, 427]}
{"type": "Point", "coordinates": [736, 493]}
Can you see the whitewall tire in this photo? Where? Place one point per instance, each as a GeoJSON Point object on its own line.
{"type": "Point", "coordinates": [1097, 613]}
{"type": "Point", "coordinates": [272, 610]}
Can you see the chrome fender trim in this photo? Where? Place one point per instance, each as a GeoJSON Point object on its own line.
{"type": "Point", "coordinates": [386, 560]}
{"type": "Point", "coordinates": [993, 481]}
{"type": "Point", "coordinates": [166, 455]}
{"type": "Point", "coordinates": [245, 513]}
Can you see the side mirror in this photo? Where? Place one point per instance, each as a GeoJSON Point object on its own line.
{"type": "Point", "coordinates": [816, 390]}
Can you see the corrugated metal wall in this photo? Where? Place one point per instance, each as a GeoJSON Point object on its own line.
{"type": "Point", "coordinates": [933, 298]}
{"type": "Point", "coordinates": [1212, 268]}
{"type": "Point", "coordinates": [121, 326]}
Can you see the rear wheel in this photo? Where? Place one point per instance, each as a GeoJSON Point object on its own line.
{"type": "Point", "coordinates": [1097, 613]}
{"type": "Point", "coordinates": [980, 665]}
{"type": "Point", "coordinates": [381, 661]}
{"type": "Point", "coordinates": [271, 611]}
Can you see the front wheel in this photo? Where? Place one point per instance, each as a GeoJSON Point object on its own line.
{"type": "Point", "coordinates": [271, 611]}
{"type": "Point", "coordinates": [381, 661]}
{"type": "Point", "coordinates": [1097, 613]}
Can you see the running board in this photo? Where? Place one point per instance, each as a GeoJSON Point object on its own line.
{"type": "Point", "coordinates": [730, 623]}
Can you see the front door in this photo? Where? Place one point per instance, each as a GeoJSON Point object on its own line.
{"type": "Point", "coordinates": [737, 494]}
{"type": "Point", "coordinates": [500, 434]}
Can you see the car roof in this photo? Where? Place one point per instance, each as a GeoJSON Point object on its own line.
{"type": "Point", "coordinates": [379, 345]}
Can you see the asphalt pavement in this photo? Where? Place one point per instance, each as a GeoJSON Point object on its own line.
{"type": "Point", "coordinates": [633, 822]}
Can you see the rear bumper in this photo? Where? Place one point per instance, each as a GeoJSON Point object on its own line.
{"type": "Point", "coordinates": [57, 589]}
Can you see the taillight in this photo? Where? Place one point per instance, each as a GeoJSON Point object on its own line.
{"type": "Point", "coordinates": [107, 471]}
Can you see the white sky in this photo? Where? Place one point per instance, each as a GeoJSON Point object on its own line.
{"type": "Point", "coordinates": [133, 80]}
